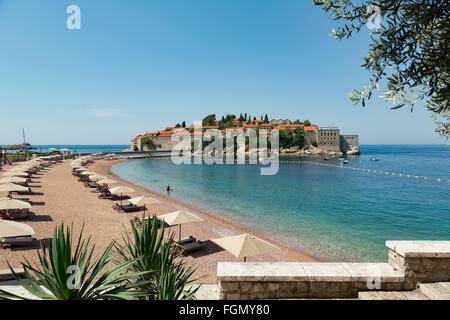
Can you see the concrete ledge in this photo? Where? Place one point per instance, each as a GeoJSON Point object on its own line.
{"type": "Point", "coordinates": [260, 271]}
{"type": "Point", "coordinates": [307, 271]}
{"type": "Point", "coordinates": [420, 249]}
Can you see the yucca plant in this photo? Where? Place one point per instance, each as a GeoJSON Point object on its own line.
{"type": "Point", "coordinates": [154, 256]}
{"type": "Point", "coordinates": [67, 273]}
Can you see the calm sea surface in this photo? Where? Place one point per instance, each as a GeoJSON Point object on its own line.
{"type": "Point", "coordinates": [330, 212]}
{"type": "Point", "coordinates": [82, 148]}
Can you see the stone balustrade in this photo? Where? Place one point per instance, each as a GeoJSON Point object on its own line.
{"type": "Point", "coordinates": [410, 263]}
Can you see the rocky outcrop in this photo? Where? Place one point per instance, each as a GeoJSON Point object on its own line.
{"type": "Point", "coordinates": [353, 150]}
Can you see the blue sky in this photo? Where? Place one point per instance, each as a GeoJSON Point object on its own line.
{"type": "Point", "coordinates": [141, 65]}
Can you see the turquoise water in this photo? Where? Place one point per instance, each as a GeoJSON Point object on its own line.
{"type": "Point", "coordinates": [330, 212]}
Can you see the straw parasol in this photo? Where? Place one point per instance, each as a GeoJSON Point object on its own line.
{"type": "Point", "coordinates": [8, 204]}
{"type": "Point", "coordinates": [15, 174]}
{"type": "Point", "coordinates": [244, 245]}
{"type": "Point", "coordinates": [121, 190]}
{"type": "Point", "coordinates": [106, 181]}
{"type": "Point", "coordinates": [143, 200]}
{"type": "Point", "coordinates": [97, 177]}
{"type": "Point", "coordinates": [11, 187]}
{"type": "Point", "coordinates": [13, 180]}
{"type": "Point", "coordinates": [180, 217]}
{"type": "Point", "coordinates": [14, 229]}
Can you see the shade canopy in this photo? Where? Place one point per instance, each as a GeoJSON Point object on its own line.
{"type": "Point", "coordinates": [11, 187]}
{"type": "Point", "coordinates": [8, 204]}
{"type": "Point", "coordinates": [13, 180]}
{"type": "Point", "coordinates": [120, 189]}
{"type": "Point", "coordinates": [180, 217]}
{"type": "Point", "coordinates": [106, 181]}
{"type": "Point", "coordinates": [15, 174]}
{"type": "Point", "coordinates": [97, 177]}
{"type": "Point", "coordinates": [143, 200]}
{"type": "Point", "coordinates": [245, 245]}
{"type": "Point", "coordinates": [88, 173]}
{"type": "Point", "coordinates": [14, 229]}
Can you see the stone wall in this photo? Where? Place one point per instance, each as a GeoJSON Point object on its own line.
{"type": "Point", "coordinates": [348, 141]}
{"type": "Point", "coordinates": [329, 139]}
{"type": "Point", "coordinates": [410, 263]}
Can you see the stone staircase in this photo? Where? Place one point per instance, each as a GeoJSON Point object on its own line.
{"type": "Point", "coordinates": [426, 291]}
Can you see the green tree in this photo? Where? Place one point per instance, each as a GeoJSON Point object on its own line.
{"type": "Point", "coordinates": [409, 51]}
{"type": "Point", "coordinates": [148, 142]}
{"type": "Point", "coordinates": [209, 120]}
{"type": "Point", "coordinates": [307, 123]}
{"type": "Point", "coordinates": [266, 119]}
{"type": "Point", "coordinates": [183, 124]}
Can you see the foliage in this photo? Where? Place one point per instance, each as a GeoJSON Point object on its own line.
{"type": "Point", "coordinates": [292, 138]}
{"type": "Point", "coordinates": [56, 278]}
{"type": "Point", "coordinates": [135, 148]}
{"type": "Point", "coordinates": [409, 50]}
{"type": "Point", "coordinates": [209, 120]}
{"type": "Point", "coordinates": [314, 143]}
{"type": "Point", "coordinates": [155, 257]}
{"type": "Point", "coordinates": [148, 142]}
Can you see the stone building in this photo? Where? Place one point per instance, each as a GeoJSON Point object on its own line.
{"type": "Point", "coordinates": [349, 141]}
{"type": "Point", "coordinates": [328, 139]}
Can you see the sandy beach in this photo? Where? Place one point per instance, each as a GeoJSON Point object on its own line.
{"type": "Point", "coordinates": [58, 197]}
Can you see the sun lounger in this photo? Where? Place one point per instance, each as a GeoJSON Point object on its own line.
{"type": "Point", "coordinates": [16, 241]}
{"type": "Point", "coordinates": [186, 240]}
{"type": "Point", "coordinates": [189, 247]}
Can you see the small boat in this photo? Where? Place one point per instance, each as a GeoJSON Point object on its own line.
{"type": "Point", "coordinates": [326, 159]}
{"type": "Point", "coordinates": [374, 159]}
{"type": "Point", "coordinates": [344, 161]}
{"type": "Point", "coordinates": [341, 159]}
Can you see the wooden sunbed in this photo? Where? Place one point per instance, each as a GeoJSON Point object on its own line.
{"type": "Point", "coordinates": [186, 240]}
{"type": "Point", "coordinates": [189, 247]}
{"type": "Point", "coordinates": [125, 207]}
{"type": "Point", "coordinates": [16, 241]}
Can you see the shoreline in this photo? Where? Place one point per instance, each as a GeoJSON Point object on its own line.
{"type": "Point", "coordinates": [214, 226]}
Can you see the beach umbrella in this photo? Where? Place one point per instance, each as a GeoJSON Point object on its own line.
{"type": "Point", "coordinates": [245, 245]}
{"type": "Point", "coordinates": [121, 190]}
{"type": "Point", "coordinates": [14, 229]}
{"type": "Point", "coordinates": [15, 174]}
{"type": "Point", "coordinates": [143, 200]}
{"type": "Point", "coordinates": [88, 173]}
{"type": "Point", "coordinates": [9, 203]}
{"type": "Point", "coordinates": [11, 187]}
{"type": "Point", "coordinates": [97, 177]}
{"type": "Point", "coordinates": [179, 217]}
{"type": "Point", "coordinates": [106, 181]}
{"type": "Point", "coordinates": [13, 180]}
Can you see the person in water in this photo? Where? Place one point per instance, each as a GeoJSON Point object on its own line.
{"type": "Point", "coordinates": [169, 188]}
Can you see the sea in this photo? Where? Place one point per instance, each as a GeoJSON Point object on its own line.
{"type": "Point", "coordinates": [81, 148]}
{"type": "Point", "coordinates": [330, 210]}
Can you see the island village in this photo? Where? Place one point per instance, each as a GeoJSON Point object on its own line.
{"type": "Point", "coordinates": [296, 137]}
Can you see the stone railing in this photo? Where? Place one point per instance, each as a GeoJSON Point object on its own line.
{"type": "Point", "coordinates": [410, 263]}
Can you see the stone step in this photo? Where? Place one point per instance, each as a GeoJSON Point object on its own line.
{"type": "Point", "coordinates": [436, 291]}
{"type": "Point", "coordinates": [392, 295]}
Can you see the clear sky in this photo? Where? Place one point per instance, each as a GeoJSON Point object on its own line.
{"type": "Point", "coordinates": [141, 65]}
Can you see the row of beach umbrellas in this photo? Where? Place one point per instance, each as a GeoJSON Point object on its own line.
{"type": "Point", "coordinates": [10, 182]}
{"type": "Point", "coordinates": [241, 246]}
